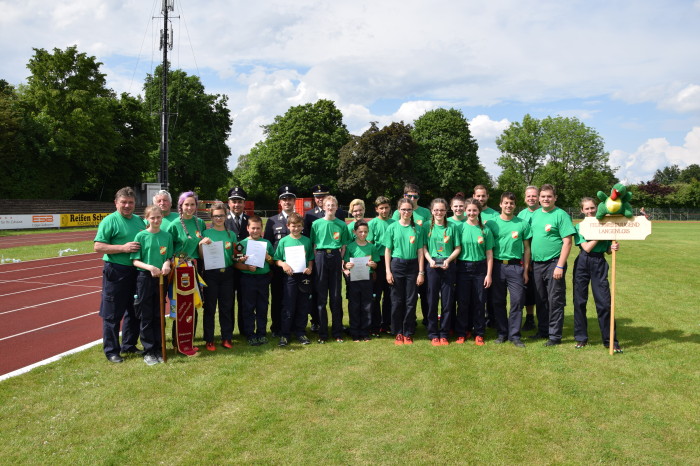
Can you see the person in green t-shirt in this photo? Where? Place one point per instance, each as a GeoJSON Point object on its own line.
{"type": "Point", "coordinates": [187, 230]}
{"type": "Point", "coordinates": [359, 292]}
{"type": "Point", "coordinates": [218, 294]}
{"type": "Point", "coordinates": [357, 211]}
{"type": "Point", "coordinates": [474, 269]}
{"type": "Point", "coordinates": [404, 264]}
{"type": "Point", "coordinates": [511, 266]}
{"type": "Point", "coordinates": [457, 207]}
{"type": "Point", "coordinates": [532, 200]}
{"type": "Point", "coordinates": [442, 249]}
{"type": "Point", "coordinates": [164, 200]}
{"type": "Point", "coordinates": [115, 240]}
{"type": "Point", "coordinates": [481, 194]}
{"type": "Point", "coordinates": [590, 267]}
{"type": "Point", "coordinates": [152, 261]}
{"type": "Point", "coordinates": [552, 232]}
{"type": "Point", "coordinates": [381, 308]}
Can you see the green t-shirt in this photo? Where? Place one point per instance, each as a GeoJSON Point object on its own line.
{"type": "Point", "coordinates": [228, 238]}
{"type": "Point", "coordinates": [288, 241]}
{"type": "Point", "coordinates": [508, 237]}
{"type": "Point", "coordinates": [404, 241]}
{"type": "Point", "coordinates": [181, 242]}
{"type": "Point", "coordinates": [548, 230]}
{"type": "Point", "coordinates": [117, 229]}
{"type": "Point", "coordinates": [442, 239]}
{"type": "Point", "coordinates": [526, 214]}
{"type": "Point", "coordinates": [355, 250]}
{"type": "Point", "coordinates": [265, 268]}
{"type": "Point", "coordinates": [457, 221]}
{"type": "Point", "coordinates": [171, 217]}
{"type": "Point", "coordinates": [156, 248]}
{"type": "Point", "coordinates": [475, 242]}
{"type": "Point", "coordinates": [601, 246]}
{"type": "Point", "coordinates": [377, 233]}
{"type": "Point", "coordinates": [421, 215]}
{"type": "Point", "coordinates": [329, 234]}
{"type": "Point", "coordinates": [488, 214]}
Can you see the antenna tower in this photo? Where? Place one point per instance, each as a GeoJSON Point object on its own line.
{"type": "Point", "coordinates": [166, 43]}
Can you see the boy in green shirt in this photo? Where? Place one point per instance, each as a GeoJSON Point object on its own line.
{"type": "Point", "coordinates": [359, 292]}
{"type": "Point", "coordinates": [381, 308]}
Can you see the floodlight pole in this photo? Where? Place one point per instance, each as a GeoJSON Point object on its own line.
{"type": "Point", "coordinates": [166, 44]}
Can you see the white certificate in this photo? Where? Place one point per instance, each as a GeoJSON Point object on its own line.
{"type": "Point", "coordinates": [214, 255]}
{"type": "Point", "coordinates": [296, 258]}
{"type": "Point", "coordinates": [256, 252]}
{"type": "Point", "coordinates": [360, 270]}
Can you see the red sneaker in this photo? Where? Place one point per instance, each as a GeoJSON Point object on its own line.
{"type": "Point", "coordinates": [227, 344]}
{"type": "Point", "coordinates": [435, 342]}
{"type": "Point", "coordinates": [460, 340]}
{"type": "Point", "coordinates": [444, 342]}
{"type": "Point", "coordinates": [211, 346]}
{"type": "Point", "coordinates": [407, 340]}
{"type": "Point", "coordinates": [479, 341]}
{"type": "Point", "coordinates": [399, 339]}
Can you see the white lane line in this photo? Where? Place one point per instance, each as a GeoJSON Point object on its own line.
{"type": "Point", "coordinates": [62, 272]}
{"type": "Point", "coordinates": [62, 263]}
{"type": "Point", "coordinates": [50, 302]}
{"type": "Point", "coordinates": [47, 326]}
{"type": "Point", "coordinates": [42, 287]}
{"type": "Point", "coordinates": [28, 368]}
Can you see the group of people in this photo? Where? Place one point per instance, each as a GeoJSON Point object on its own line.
{"type": "Point", "coordinates": [463, 267]}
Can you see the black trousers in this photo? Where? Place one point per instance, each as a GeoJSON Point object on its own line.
{"type": "Point", "coordinates": [328, 279]}
{"type": "Point", "coordinates": [360, 307]}
{"type": "Point", "coordinates": [295, 305]}
{"type": "Point", "coordinates": [218, 292]}
{"type": "Point", "coordinates": [118, 289]}
{"type": "Point", "coordinates": [441, 286]}
{"type": "Point", "coordinates": [381, 307]}
{"type": "Point", "coordinates": [147, 307]}
{"type": "Point", "coordinates": [255, 297]}
{"type": "Point", "coordinates": [508, 278]}
{"type": "Point", "coordinates": [404, 296]}
{"type": "Point", "coordinates": [591, 268]}
{"type": "Point", "coordinates": [276, 296]}
{"type": "Point", "coordinates": [471, 297]}
{"type": "Point", "coordinates": [551, 299]}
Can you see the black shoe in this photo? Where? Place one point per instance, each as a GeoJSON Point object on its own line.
{"type": "Point", "coordinates": [315, 328]}
{"type": "Point", "coordinates": [262, 341]}
{"type": "Point", "coordinates": [283, 342]}
{"type": "Point", "coordinates": [253, 341]}
{"type": "Point", "coordinates": [518, 343]}
{"type": "Point", "coordinates": [303, 339]}
{"type": "Point", "coordinates": [538, 336]}
{"type": "Point", "coordinates": [500, 339]}
{"type": "Point", "coordinates": [115, 358]}
{"type": "Point", "coordinates": [551, 342]}
{"type": "Point", "coordinates": [529, 323]}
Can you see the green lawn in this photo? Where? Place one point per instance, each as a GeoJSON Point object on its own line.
{"type": "Point", "coordinates": [377, 403]}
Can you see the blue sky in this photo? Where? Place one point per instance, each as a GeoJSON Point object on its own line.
{"type": "Point", "coordinates": [628, 69]}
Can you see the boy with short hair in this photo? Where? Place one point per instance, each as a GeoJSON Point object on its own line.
{"type": "Point", "coordinates": [297, 285]}
{"type": "Point", "coordinates": [359, 292]}
{"type": "Point", "coordinates": [481, 194]}
{"type": "Point", "coordinates": [381, 308]}
{"type": "Point", "coordinates": [255, 283]}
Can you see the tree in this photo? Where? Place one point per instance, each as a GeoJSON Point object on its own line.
{"type": "Point", "coordinates": [690, 173]}
{"type": "Point", "coordinates": [667, 175]}
{"type": "Point", "coordinates": [200, 124]}
{"type": "Point", "coordinates": [557, 150]}
{"type": "Point", "coordinates": [300, 147]}
{"type": "Point", "coordinates": [446, 153]}
{"type": "Point", "coordinates": [379, 162]}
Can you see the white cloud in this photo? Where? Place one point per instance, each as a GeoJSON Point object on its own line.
{"type": "Point", "coordinates": [683, 101]}
{"type": "Point", "coordinates": [656, 154]}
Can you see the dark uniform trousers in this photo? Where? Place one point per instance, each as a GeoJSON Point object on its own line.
{"type": "Point", "coordinates": [551, 299]}
{"type": "Point", "coordinates": [118, 289]}
{"type": "Point", "coordinates": [219, 290]}
{"type": "Point", "coordinates": [591, 268]}
{"type": "Point", "coordinates": [147, 308]}
{"type": "Point", "coordinates": [256, 291]}
{"type": "Point", "coordinates": [404, 296]}
{"type": "Point", "coordinates": [328, 281]}
{"type": "Point", "coordinates": [276, 229]}
{"type": "Point", "coordinates": [381, 307]}
{"type": "Point", "coordinates": [441, 285]}
{"type": "Point", "coordinates": [360, 307]}
{"type": "Point", "coordinates": [508, 278]}
{"type": "Point", "coordinates": [295, 305]}
{"type": "Point", "coordinates": [471, 297]}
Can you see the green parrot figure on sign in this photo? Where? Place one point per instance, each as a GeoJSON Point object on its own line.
{"type": "Point", "coordinates": [618, 203]}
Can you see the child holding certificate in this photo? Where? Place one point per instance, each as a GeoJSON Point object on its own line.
{"type": "Point", "coordinates": [295, 256]}
{"type": "Point", "coordinates": [359, 262]}
{"type": "Point", "coordinates": [219, 280]}
{"type": "Point", "coordinates": [255, 283]}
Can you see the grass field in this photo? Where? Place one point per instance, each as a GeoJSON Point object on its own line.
{"type": "Point", "coordinates": [377, 403]}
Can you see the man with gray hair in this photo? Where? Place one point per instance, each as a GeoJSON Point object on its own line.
{"type": "Point", "coordinates": [164, 200]}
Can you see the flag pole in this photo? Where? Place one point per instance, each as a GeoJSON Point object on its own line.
{"type": "Point", "coordinates": [612, 301]}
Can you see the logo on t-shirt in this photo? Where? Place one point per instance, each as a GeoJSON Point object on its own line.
{"type": "Point", "coordinates": [514, 235]}
{"type": "Point", "coordinates": [446, 239]}
{"type": "Point", "coordinates": [547, 227]}
{"type": "Point", "coordinates": [336, 235]}
{"type": "Point", "coordinates": [227, 244]}
{"type": "Point", "coordinates": [163, 250]}
{"type": "Point", "coordinates": [198, 234]}
{"type": "Point", "coordinates": [412, 239]}
{"type": "Point", "coordinates": [480, 240]}
{"type": "Point", "coordinates": [419, 222]}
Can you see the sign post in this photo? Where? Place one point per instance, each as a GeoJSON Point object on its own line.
{"type": "Point", "coordinates": [614, 228]}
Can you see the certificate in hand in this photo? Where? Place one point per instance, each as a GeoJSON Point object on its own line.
{"type": "Point", "coordinates": [214, 255]}
{"type": "Point", "coordinates": [256, 252]}
{"type": "Point", "coordinates": [296, 258]}
{"type": "Point", "coordinates": [360, 270]}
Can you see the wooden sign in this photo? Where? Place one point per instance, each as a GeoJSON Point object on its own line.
{"type": "Point", "coordinates": [615, 228]}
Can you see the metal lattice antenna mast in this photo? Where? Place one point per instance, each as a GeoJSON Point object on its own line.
{"type": "Point", "coordinates": [166, 43]}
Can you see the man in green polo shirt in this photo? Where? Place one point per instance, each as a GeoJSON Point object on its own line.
{"type": "Point", "coordinates": [532, 200]}
{"type": "Point", "coordinates": [115, 239]}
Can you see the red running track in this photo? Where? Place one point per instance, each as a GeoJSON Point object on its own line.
{"type": "Point", "coordinates": [46, 238]}
{"type": "Point", "coordinates": [48, 307]}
